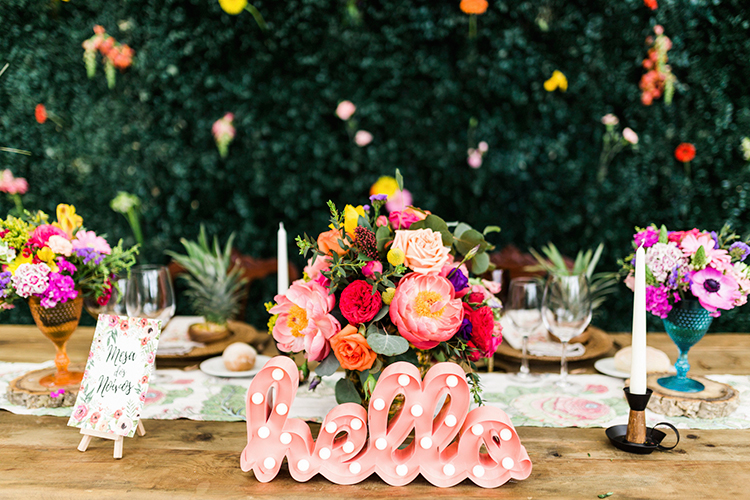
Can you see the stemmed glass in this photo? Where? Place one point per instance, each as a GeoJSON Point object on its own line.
{"type": "Point", "coordinates": [566, 312]}
{"type": "Point", "coordinates": [524, 309]}
{"type": "Point", "coordinates": [149, 293]}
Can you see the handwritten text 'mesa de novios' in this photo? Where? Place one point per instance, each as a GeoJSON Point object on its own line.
{"type": "Point", "coordinates": [118, 358]}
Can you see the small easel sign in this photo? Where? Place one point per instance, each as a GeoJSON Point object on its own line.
{"type": "Point", "coordinates": [115, 383]}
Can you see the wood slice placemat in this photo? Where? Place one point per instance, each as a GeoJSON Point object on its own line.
{"type": "Point", "coordinates": [716, 400]}
{"type": "Point", "coordinates": [26, 391]}
{"type": "Point", "coordinates": [597, 344]}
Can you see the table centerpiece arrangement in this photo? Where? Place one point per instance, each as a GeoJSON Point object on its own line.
{"type": "Point", "coordinates": [53, 265]}
{"type": "Point", "coordinates": [381, 289]}
{"type": "Point", "coordinates": [691, 276]}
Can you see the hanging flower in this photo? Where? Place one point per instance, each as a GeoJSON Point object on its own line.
{"type": "Point", "coordinates": [651, 4]}
{"type": "Point", "coordinates": [40, 113]}
{"type": "Point", "coordinates": [475, 7]}
{"type": "Point", "coordinates": [12, 185]}
{"type": "Point", "coordinates": [233, 7]}
{"type": "Point", "coordinates": [345, 110]}
{"type": "Point", "coordinates": [362, 138]}
{"type": "Point", "coordinates": [557, 80]}
{"type": "Point", "coordinates": [223, 131]}
{"type": "Point", "coordinates": [629, 135]}
{"type": "Point", "coordinates": [685, 152]}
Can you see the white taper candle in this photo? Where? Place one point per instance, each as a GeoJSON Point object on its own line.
{"type": "Point", "coordinates": [638, 364]}
{"type": "Point", "coordinates": [282, 279]}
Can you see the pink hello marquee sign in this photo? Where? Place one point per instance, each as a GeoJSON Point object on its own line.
{"type": "Point", "coordinates": [346, 453]}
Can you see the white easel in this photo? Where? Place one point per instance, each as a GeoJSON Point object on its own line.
{"type": "Point", "coordinates": [118, 439]}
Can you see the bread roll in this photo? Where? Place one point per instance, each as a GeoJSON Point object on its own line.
{"type": "Point", "coordinates": [239, 357]}
{"type": "Point", "coordinates": [656, 360]}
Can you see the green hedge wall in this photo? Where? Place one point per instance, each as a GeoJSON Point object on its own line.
{"type": "Point", "coordinates": [417, 80]}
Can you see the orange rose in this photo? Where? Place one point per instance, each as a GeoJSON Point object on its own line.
{"type": "Point", "coordinates": [352, 349]}
{"type": "Point", "coordinates": [329, 241]}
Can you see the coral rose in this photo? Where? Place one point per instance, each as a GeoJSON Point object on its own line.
{"type": "Point", "coordinates": [358, 304]}
{"type": "Point", "coordinates": [423, 249]}
{"type": "Point", "coordinates": [425, 310]}
{"type": "Point", "coordinates": [352, 349]}
{"type": "Point", "coordinates": [304, 322]}
{"type": "Point", "coordinates": [328, 242]}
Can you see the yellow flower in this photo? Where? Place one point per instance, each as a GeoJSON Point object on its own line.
{"type": "Point", "coordinates": [18, 261]}
{"type": "Point", "coordinates": [396, 256]}
{"type": "Point", "coordinates": [233, 7]}
{"type": "Point", "coordinates": [557, 80]}
{"type": "Point", "coordinates": [387, 296]}
{"type": "Point", "coordinates": [47, 256]}
{"type": "Point", "coordinates": [384, 185]}
{"type": "Point", "coordinates": [67, 219]}
{"type": "Point", "coordinates": [351, 217]}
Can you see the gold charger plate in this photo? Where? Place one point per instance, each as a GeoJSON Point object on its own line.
{"type": "Point", "coordinates": [598, 344]}
{"type": "Point", "coordinates": [239, 332]}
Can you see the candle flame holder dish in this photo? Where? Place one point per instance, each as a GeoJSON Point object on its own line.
{"type": "Point", "coordinates": [627, 437]}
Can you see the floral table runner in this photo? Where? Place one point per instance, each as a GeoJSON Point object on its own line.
{"type": "Point", "coordinates": [597, 400]}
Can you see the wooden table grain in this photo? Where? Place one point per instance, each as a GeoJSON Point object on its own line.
{"type": "Point", "coordinates": [183, 459]}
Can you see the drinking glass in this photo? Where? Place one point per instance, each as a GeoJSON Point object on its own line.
{"type": "Point", "coordinates": [566, 312]}
{"type": "Point", "coordinates": [149, 293]}
{"type": "Point", "coordinates": [524, 306]}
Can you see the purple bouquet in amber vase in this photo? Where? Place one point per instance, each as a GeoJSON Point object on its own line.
{"type": "Point", "coordinates": [691, 277]}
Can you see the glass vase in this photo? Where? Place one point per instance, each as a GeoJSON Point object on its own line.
{"type": "Point", "coordinates": [58, 324]}
{"type": "Point", "coordinates": [686, 324]}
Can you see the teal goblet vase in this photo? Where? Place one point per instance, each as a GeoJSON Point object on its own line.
{"type": "Point", "coordinates": [686, 324]}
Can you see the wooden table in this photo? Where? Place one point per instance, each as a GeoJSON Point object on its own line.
{"type": "Point", "coordinates": [187, 459]}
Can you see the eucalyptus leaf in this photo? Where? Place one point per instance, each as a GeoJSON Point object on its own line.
{"type": "Point", "coordinates": [387, 345]}
{"type": "Point", "coordinates": [437, 224]}
{"type": "Point", "coordinates": [480, 263]}
{"type": "Point", "coordinates": [346, 392]}
{"type": "Point", "coordinates": [468, 240]}
{"type": "Point", "coordinates": [491, 229]}
{"type": "Point", "coordinates": [409, 356]}
{"type": "Point", "coordinates": [328, 366]}
{"type": "Point", "coordinates": [461, 228]}
{"type": "Point", "coordinates": [382, 236]}
{"type": "Point", "coordinates": [382, 313]}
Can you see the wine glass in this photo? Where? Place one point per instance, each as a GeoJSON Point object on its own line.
{"type": "Point", "coordinates": [566, 312]}
{"type": "Point", "coordinates": [149, 293]}
{"type": "Point", "coordinates": [524, 309]}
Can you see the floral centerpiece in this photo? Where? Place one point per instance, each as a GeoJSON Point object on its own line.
{"type": "Point", "coordinates": [56, 261]}
{"type": "Point", "coordinates": [379, 289]}
{"type": "Point", "coordinates": [697, 265]}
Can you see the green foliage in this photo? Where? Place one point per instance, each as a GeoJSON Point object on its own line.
{"type": "Point", "coordinates": [417, 81]}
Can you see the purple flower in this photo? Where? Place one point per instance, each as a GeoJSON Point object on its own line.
{"type": "Point", "coordinates": [739, 250]}
{"type": "Point", "coordinates": [5, 278]}
{"type": "Point", "coordinates": [378, 197]}
{"type": "Point", "coordinates": [457, 279]}
{"type": "Point", "coordinates": [715, 237]}
{"type": "Point", "coordinates": [465, 330]}
{"type": "Point", "coordinates": [60, 290]}
{"type": "Point", "coordinates": [88, 255]}
{"type": "Point", "coordinates": [366, 208]}
{"type": "Point", "coordinates": [648, 237]}
{"type": "Point", "coordinates": [673, 280]}
{"type": "Point", "coordinates": [657, 300]}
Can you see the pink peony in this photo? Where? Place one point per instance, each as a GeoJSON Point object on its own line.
{"type": "Point", "coordinates": [304, 322]}
{"type": "Point", "coordinates": [42, 234]}
{"type": "Point", "coordinates": [423, 249]}
{"type": "Point", "coordinates": [60, 245]}
{"type": "Point", "coordinates": [89, 239]}
{"type": "Point", "coordinates": [313, 269]}
{"type": "Point", "coordinates": [358, 304]}
{"type": "Point", "coordinates": [345, 110]}
{"type": "Point", "coordinates": [715, 290]}
{"type": "Point", "coordinates": [425, 310]}
{"type": "Point", "coordinates": [362, 138]}
{"type": "Point", "coordinates": [371, 268]}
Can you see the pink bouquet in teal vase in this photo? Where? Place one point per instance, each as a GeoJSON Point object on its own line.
{"type": "Point", "coordinates": [700, 265]}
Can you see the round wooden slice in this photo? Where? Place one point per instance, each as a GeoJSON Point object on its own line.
{"type": "Point", "coordinates": [597, 344]}
{"type": "Point", "coordinates": [716, 400]}
{"type": "Point", "coordinates": [26, 391]}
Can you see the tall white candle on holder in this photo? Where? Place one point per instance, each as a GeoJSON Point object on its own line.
{"type": "Point", "coordinates": [638, 365]}
{"type": "Point", "coordinates": [282, 278]}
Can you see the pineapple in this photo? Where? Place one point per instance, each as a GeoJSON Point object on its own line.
{"type": "Point", "coordinates": [215, 286]}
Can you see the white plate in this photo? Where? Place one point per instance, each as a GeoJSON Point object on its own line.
{"type": "Point", "coordinates": [215, 366]}
{"type": "Point", "coordinates": [607, 367]}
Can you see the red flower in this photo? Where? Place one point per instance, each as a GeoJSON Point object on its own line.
{"type": "Point", "coordinates": [651, 4]}
{"type": "Point", "coordinates": [358, 304]}
{"type": "Point", "coordinates": [95, 417]}
{"type": "Point", "coordinates": [475, 298]}
{"type": "Point", "coordinates": [685, 152]}
{"type": "Point", "coordinates": [40, 113]}
{"type": "Point", "coordinates": [117, 414]}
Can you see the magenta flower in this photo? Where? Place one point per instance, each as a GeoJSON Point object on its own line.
{"type": "Point", "coordinates": [648, 237]}
{"type": "Point", "coordinates": [43, 233]}
{"type": "Point", "coordinates": [223, 131]}
{"type": "Point", "coordinates": [715, 290]}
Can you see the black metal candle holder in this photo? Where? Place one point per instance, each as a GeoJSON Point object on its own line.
{"type": "Point", "coordinates": [636, 428]}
